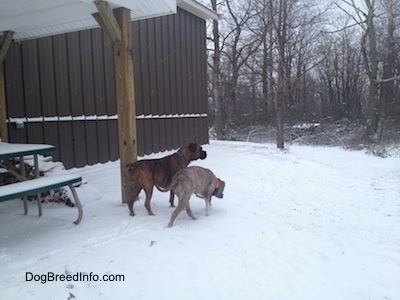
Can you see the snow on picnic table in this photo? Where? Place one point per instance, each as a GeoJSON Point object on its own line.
{"type": "Point", "coordinates": [303, 223]}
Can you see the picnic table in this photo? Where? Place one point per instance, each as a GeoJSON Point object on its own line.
{"type": "Point", "coordinates": [25, 187]}
{"type": "Point", "coordinates": [12, 150]}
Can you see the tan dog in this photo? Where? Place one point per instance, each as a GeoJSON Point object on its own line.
{"type": "Point", "coordinates": [144, 174]}
{"type": "Point", "coordinates": [195, 180]}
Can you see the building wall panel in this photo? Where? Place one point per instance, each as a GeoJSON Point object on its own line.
{"type": "Point", "coordinates": [62, 89]}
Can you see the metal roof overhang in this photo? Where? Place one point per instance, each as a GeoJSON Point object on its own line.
{"type": "Point", "coordinates": [33, 19]}
{"type": "Point", "coordinates": [197, 9]}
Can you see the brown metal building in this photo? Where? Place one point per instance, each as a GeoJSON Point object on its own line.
{"type": "Point", "coordinates": [60, 89]}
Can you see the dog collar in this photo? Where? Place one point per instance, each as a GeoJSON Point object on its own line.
{"type": "Point", "coordinates": [217, 186]}
{"type": "Point", "coordinates": [180, 154]}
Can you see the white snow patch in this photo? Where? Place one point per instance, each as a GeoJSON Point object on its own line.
{"type": "Point", "coordinates": [304, 223]}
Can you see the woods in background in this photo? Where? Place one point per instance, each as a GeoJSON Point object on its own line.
{"type": "Point", "coordinates": [287, 61]}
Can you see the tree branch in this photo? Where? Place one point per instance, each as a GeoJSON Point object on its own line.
{"type": "Point", "coordinates": [388, 79]}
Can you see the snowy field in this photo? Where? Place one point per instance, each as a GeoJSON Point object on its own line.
{"type": "Point", "coordinates": [304, 223]}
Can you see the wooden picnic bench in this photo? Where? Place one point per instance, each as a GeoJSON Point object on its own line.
{"type": "Point", "coordinates": [28, 187]}
{"type": "Point", "coordinates": [42, 184]}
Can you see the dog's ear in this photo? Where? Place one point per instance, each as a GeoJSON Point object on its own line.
{"type": "Point", "coordinates": [193, 147]}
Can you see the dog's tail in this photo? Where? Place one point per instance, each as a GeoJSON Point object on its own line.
{"type": "Point", "coordinates": [163, 189]}
{"type": "Point", "coordinates": [174, 183]}
{"type": "Point", "coordinates": [177, 185]}
{"type": "Point", "coordinates": [171, 186]}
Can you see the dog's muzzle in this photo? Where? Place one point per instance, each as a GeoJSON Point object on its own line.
{"type": "Point", "coordinates": [217, 193]}
{"type": "Point", "coordinates": [203, 154]}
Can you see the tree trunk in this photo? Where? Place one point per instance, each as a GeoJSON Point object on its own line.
{"type": "Point", "coordinates": [280, 93]}
{"type": "Point", "coordinates": [216, 77]}
{"type": "Point", "coordinates": [371, 65]}
{"type": "Point", "coordinates": [387, 70]}
{"type": "Point", "coordinates": [279, 117]}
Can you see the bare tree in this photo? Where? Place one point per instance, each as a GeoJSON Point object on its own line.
{"type": "Point", "coordinates": [342, 83]}
{"type": "Point", "coordinates": [378, 67]}
{"type": "Point", "coordinates": [216, 75]}
{"type": "Point", "coordinates": [371, 66]}
{"type": "Point", "coordinates": [240, 44]}
{"type": "Point", "coordinates": [288, 43]}
{"type": "Point", "coordinates": [266, 52]}
{"type": "Point", "coordinates": [263, 64]}
{"type": "Point", "coordinates": [386, 69]}
{"type": "Point", "coordinates": [303, 39]}
{"type": "Point", "coordinates": [280, 24]}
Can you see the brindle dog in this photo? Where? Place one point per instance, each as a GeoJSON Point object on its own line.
{"type": "Point", "coordinates": [144, 174]}
{"type": "Point", "coordinates": [195, 180]}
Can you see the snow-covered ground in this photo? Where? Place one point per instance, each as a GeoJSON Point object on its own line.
{"type": "Point", "coordinates": [304, 223]}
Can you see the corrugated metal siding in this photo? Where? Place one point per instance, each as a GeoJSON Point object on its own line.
{"type": "Point", "coordinates": [63, 88]}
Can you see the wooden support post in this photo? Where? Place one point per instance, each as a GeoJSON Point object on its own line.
{"type": "Point", "coordinates": [5, 41]}
{"type": "Point", "coordinates": [125, 93]}
{"type": "Point", "coordinates": [118, 27]}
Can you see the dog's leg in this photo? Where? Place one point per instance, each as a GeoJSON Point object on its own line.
{"type": "Point", "coordinates": [177, 210]}
{"type": "Point", "coordinates": [208, 205]}
{"type": "Point", "coordinates": [171, 199]}
{"type": "Point", "coordinates": [130, 205]}
{"type": "Point", "coordinates": [149, 194]}
{"type": "Point", "coordinates": [135, 195]}
{"type": "Point", "coordinates": [189, 211]}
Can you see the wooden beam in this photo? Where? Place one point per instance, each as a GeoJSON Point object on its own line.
{"type": "Point", "coordinates": [107, 21]}
{"type": "Point", "coordinates": [5, 42]}
{"type": "Point", "coordinates": [125, 94]}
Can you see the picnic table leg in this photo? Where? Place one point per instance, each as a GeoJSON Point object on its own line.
{"type": "Point", "coordinates": [22, 167]}
{"type": "Point", "coordinates": [25, 206]}
{"type": "Point", "coordinates": [39, 195]}
{"type": "Point", "coordinates": [77, 203]}
{"type": "Point", "coordinates": [39, 203]}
